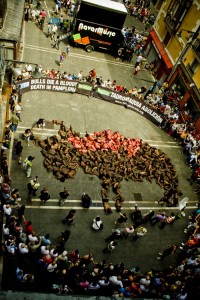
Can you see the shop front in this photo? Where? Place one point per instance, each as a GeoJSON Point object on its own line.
{"type": "Point", "coordinates": [189, 103]}
{"type": "Point", "coordinates": [161, 65]}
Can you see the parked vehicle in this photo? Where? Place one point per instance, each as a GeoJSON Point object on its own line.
{"type": "Point", "coordinates": [98, 24]}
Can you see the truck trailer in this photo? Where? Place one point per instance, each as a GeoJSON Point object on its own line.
{"type": "Point", "coordinates": [97, 24]}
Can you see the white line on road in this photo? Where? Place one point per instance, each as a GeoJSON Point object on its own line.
{"type": "Point", "coordinates": [96, 201]}
{"type": "Point", "coordinates": [51, 131]}
{"type": "Point", "coordinates": [92, 58]}
{"type": "Point", "coordinates": [98, 208]}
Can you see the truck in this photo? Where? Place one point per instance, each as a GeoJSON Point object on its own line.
{"type": "Point", "coordinates": [98, 24]}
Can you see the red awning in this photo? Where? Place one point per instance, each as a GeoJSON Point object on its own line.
{"type": "Point", "coordinates": [161, 49]}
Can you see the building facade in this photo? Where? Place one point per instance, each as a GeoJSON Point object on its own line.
{"type": "Point", "coordinates": [174, 48]}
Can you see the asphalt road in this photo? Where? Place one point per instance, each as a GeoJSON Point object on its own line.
{"type": "Point", "coordinates": [90, 114]}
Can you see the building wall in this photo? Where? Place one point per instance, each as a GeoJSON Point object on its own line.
{"type": "Point", "coordinates": [190, 22]}
{"type": "Point", "coordinates": [189, 58]}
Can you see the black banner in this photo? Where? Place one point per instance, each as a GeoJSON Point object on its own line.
{"type": "Point", "coordinates": [72, 86]}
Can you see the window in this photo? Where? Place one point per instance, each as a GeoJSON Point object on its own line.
{"type": "Point", "coordinates": [178, 9]}
{"type": "Point", "coordinates": [193, 66]}
{"type": "Point", "coordinates": [166, 39]}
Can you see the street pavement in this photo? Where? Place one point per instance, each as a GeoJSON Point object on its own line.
{"type": "Point", "coordinates": [90, 114]}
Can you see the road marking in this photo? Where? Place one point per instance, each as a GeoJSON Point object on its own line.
{"type": "Point", "coordinates": [98, 208]}
{"type": "Point", "coordinates": [99, 201]}
{"type": "Point", "coordinates": [76, 55]}
{"type": "Point", "coordinates": [51, 131]}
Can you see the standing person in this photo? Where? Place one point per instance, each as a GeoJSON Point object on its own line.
{"type": "Point", "coordinates": [7, 211]}
{"type": "Point", "coordinates": [93, 74]}
{"type": "Point", "coordinates": [56, 42]}
{"type": "Point", "coordinates": [139, 232]}
{"type": "Point", "coordinates": [67, 49]}
{"type": "Point", "coordinates": [27, 165]}
{"type": "Point", "coordinates": [110, 247]}
{"type": "Point", "coordinates": [63, 196]}
{"type": "Point", "coordinates": [86, 200]}
{"type": "Point", "coordinates": [33, 186]}
{"type": "Point", "coordinates": [28, 135]}
{"type": "Point", "coordinates": [182, 205]}
{"type": "Point", "coordinates": [18, 110]}
{"type": "Point", "coordinates": [20, 211]}
{"type": "Point", "coordinates": [69, 219]}
{"type": "Point", "coordinates": [54, 29]}
{"type": "Point", "coordinates": [62, 57]}
{"type": "Point", "coordinates": [138, 60]}
{"type": "Point", "coordinates": [40, 124]}
{"type": "Point", "coordinates": [170, 250]}
{"type": "Point", "coordinates": [128, 231]}
{"type": "Point", "coordinates": [121, 219]}
{"type": "Point", "coordinates": [18, 150]}
{"type": "Point", "coordinates": [15, 122]}
{"type": "Point", "coordinates": [44, 195]}
{"type": "Point", "coordinates": [26, 13]}
{"type": "Point", "coordinates": [137, 69]}
{"type": "Point", "coordinates": [97, 223]}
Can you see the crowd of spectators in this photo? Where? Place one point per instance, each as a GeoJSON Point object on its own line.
{"type": "Point", "coordinates": [71, 272]}
{"type": "Point", "coordinates": [36, 263]}
{"type": "Point", "coordinates": [35, 257]}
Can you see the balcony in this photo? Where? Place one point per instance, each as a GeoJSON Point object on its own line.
{"type": "Point", "coordinates": [196, 49]}
{"type": "Point", "coordinates": [171, 23]}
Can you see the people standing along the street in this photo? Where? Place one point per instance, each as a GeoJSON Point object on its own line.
{"type": "Point", "coordinates": [44, 195]}
{"type": "Point", "coordinates": [97, 223]}
{"type": "Point", "coordinates": [110, 247]}
{"type": "Point", "coordinates": [27, 165]}
{"type": "Point", "coordinates": [139, 232]}
{"type": "Point", "coordinates": [170, 250]}
{"type": "Point", "coordinates": [137, 69]}
{"type": "Point", "coordinates": [138, 60]}
{"type": "Point", "coordinates": [18, 150]}
{"type": "Point", "coordinates": [28, 135]}
{"type": "Point", "coordinates": [86, 200]}
{"type": "Point", "coordinates": [18, 110]}
{"type": "Point", "coordinates": [121, 219]}
{"type": "Point", "coordinates": [40, 124]}
{"type": "Point", "coordinates": [63, 196]}
{"type": "Point", "coordinates": [56, 42]}
{"type": "Point", "coordinates": [67, 49]}
{"type": "Point", "coordinates": [62, 57]}
{"type": "Point", "coordinates": [33, 186]}
{"type": "Point", "coordinates": [20, 211]}
{"type": "Point", "coordinates": [69, 219]}
{"type": "Point", "coordinates": [92, 75]}
{"type": "Point", "coordinates": [53, 32]}
{"type": "Point", "coordinates": [14, 122]}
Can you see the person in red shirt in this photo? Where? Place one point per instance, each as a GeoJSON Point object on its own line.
{"type": "Point", "coordinates": [28, 227]}
{"type": "Point", "coordinates": [93, 74]}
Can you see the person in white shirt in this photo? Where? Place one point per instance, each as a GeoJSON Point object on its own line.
{"type": "Point", "coordinates": [128, 231]}
{"type": "Point", "coordinates": [51, 267]}
{"type": "Point", "coordinates": [116, 281]}
{"type": "Point", "coordinates": [28, 68]}
{"type": "Point", "coordinates": [23, 248]}
{"type": "Point", "coordinates": [80, 75]}
{"type": "Point", "coordinates": [7, 209]}
{"type": "Point", "coordinates": [63, 256]}
{"type": "Point", "coordinates": [97, 223]}
{"type": "Point", "coordinates": [6, 230]}
{"type": "Point", "coordinates": [104, 282]}
{"type": "Point", "coordinates": [18, 110]}
{"type": "Point", "coordinates": [45, 250]}
{"type": "Point", "coordinates": [33, 237]}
